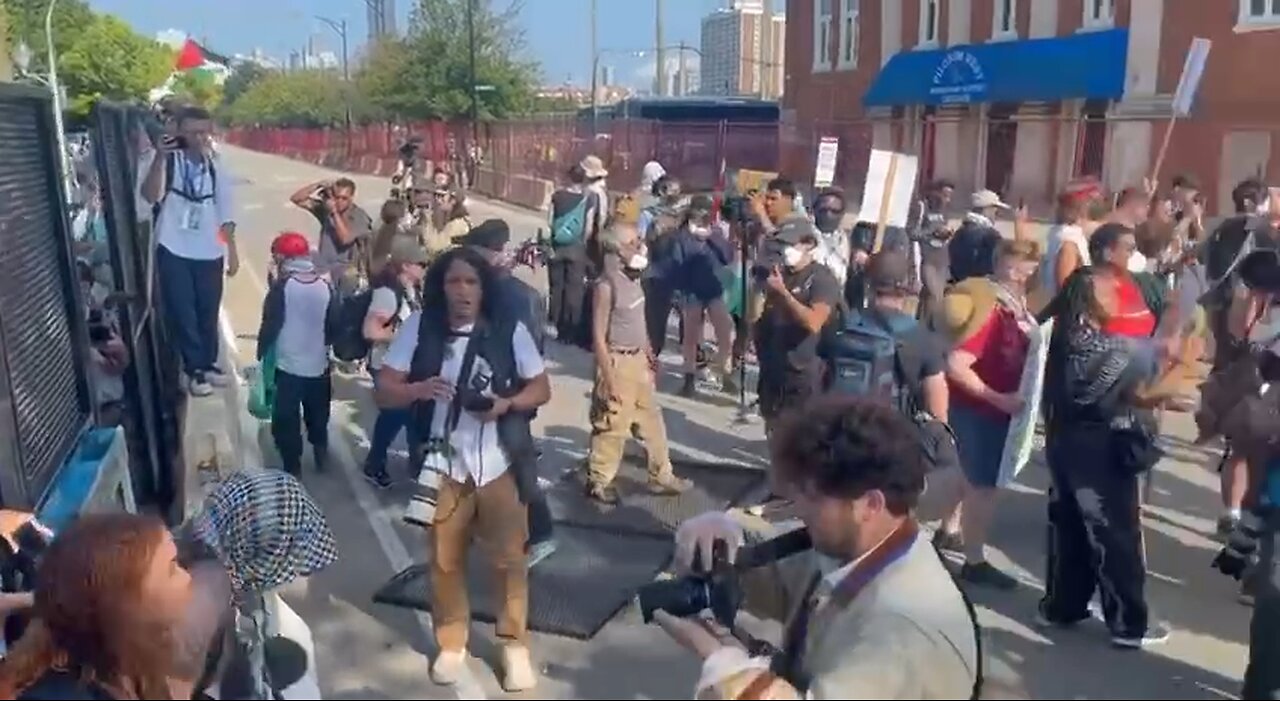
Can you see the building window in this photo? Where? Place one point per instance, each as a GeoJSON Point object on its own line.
{"type": "Point", "coordinates": [1255, 12]}
{"type": "Point", "coordinates": [822, 19]}
{"type": "Point", "coordinates": [849, 34]}
{"type": "Point", "coordinates": [929, 17]}
{"type": "Point", "coordinates": [1005, 23]}
{"type": "Point", "coordinates": [1099, 13]}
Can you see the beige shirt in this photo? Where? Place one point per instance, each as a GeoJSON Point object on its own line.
{"type": "Point", "coordinates": [907, 635]}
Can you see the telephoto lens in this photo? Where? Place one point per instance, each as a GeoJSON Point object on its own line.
{"type": "Point", "coordinates": [1240, 553]}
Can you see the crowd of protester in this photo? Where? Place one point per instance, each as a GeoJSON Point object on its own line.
{"type": "Point", "coordinates": [929, 327]}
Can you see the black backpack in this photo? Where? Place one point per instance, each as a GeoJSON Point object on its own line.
{"type": "Point", "coordinates": [349, 343]}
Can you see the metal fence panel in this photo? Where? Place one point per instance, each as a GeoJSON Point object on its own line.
{"type": "Point", "coordinates": [42, 330]}
{"type": "Point", "coordinates": [151, 421]}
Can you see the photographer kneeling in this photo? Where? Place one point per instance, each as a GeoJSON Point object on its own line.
{"type": "Point", "coordinates": [873, 613]}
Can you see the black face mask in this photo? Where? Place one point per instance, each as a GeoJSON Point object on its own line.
{"type": "Point", "coordinates": [827, 221]}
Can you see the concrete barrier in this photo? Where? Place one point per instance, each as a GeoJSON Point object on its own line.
{"type": "Point", "coordinates": [525, 191]}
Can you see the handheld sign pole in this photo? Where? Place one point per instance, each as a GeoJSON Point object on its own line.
{"type": "Point", "coordinates": [1184, 97]}
{"type": "Point", "coordinates": [882, 221]}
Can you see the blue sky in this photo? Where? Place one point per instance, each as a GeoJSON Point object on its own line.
{"type": "Point", "coordinates": [556, 30]}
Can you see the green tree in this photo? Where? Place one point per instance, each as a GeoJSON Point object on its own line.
{"type": "Point", "coordinates": [26, 24]}
{"type": "Point", "coordinates": [108, 59]}
{"type": "Point", "coordinates": [198, 87]}
{"type": "Point", "coordinates": [427, 73]}
{"type": "Point", "coordinates": [295, 99]}
{"type": "Point", "coordinates": [244, 75]}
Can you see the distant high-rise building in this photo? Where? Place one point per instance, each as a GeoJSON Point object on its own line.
{"type": "Point", "coordinates": [382, 18]}
{"type": "Point", "coordinates": [733, 62]}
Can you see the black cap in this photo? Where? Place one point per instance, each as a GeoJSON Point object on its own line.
{"type": "Point", "coordinates": [889, 271]}
{"type": "Point", "coordinates": [493, 234]}
{"type": "Point", "coordinates": [701, 203]}
{"type": "Point", "coordinates": [795, 230]}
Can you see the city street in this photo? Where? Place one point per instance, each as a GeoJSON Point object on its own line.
{"type": "Point", "coordinates": [371, 651]}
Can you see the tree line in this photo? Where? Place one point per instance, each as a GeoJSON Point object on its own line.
{"type": "Point", "coordinates": [422, 75]}
{"type": "Point", "coordinates": [99, 55]}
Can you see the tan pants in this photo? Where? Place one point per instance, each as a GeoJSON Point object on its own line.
{"type": "Point", "coordinates": [494, 515]}
{"type": "Point", "coordinates": [634, 403]}
{"type": "Point", "coordinates": [721, 322]}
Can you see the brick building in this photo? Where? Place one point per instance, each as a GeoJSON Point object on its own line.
{"type": "Point", "coordinates": [1022, 95]}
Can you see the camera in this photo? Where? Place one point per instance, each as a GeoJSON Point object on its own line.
{"type": "Point", "coordinates": [472, 396]}
{"type": "Point", "coordinates": [18, 571]}
{"type": "Point", "coordinates": [1240, 553]}
{"type": "Point", "coordinates": [770, 256]}
{"type": "Point", "coordinates": [717, 589]}
{"type": "Point", "coordinates": [99, 329]}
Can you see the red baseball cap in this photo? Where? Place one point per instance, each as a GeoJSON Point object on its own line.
{"type": "Point", "coordinates": [291, 244]}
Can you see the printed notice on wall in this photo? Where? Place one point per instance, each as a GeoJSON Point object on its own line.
{"type": "Point", "coordinates": [824, 173]}
{"type": "Point", "coordinates": [891, 181]}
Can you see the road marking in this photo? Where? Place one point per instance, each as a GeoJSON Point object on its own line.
{"type": "Point", "coordinates": [252, 206]}
{"type": "Point", "coordinates": [468, 687]}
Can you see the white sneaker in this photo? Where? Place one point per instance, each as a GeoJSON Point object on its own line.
{"type": "Point", "coordinates": [517, 669]}
{"type": "Point", "coordinates": [217, 377]}
{"type": "Point", "coordinates": [198, 386]}
{"type": "Point", "coordinates": [448, 666]}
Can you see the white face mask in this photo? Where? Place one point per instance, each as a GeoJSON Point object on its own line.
{"type": "Point", "coordinates": [638, 261]}
{"type": "Point", "coordinates": [699, 230]}
{"type": "Point", "coordinates": [792, 256]}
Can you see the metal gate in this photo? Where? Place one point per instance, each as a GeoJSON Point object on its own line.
{"type": "Point", "coordinates": [44, 388]}
{"type": "Point", "coordinates": [151, 402]}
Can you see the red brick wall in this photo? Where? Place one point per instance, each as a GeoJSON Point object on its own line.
{"type": "Point", "coordinates": [981, 14]}
{"type": "Point", "coordinates": [1070, 12]}
{"type": "Point", "coordinates": [910, 22]}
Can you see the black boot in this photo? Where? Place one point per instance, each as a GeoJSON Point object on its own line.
{"type": "Point", "coordinates": [321, 454]}
{"type": "Point", "coordinates": [690, 387]}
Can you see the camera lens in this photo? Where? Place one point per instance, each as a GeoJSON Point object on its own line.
{"type": "Point", "coordinates": [679, 597]}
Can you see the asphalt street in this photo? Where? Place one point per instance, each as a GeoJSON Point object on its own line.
{"type": "Point", "coordinates": [368, 651]}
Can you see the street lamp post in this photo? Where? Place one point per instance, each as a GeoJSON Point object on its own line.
{"type": "Point", "coordinates": [64, 158]}
{"type": "Point", "coordinates": [340, 28]}
{"type": "Point", "coordinates": [475, 94]}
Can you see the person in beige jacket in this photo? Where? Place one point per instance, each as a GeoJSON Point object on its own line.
{"type": "Point", "coordinates": [871, 611]}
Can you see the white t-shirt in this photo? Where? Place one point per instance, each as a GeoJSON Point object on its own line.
{"type": "Point", "coordinates": [476, 451]}
{"type": "Point", "coordinates": [1060, 235]}
{"type": "Point", "coordinates": [190, 229]}
{"type": "Point", "coordinates": [383, 302]}
{"type": "Point", "coordinates": [834, 250]}
{"type": "Point", "coordinates": [301, 349]}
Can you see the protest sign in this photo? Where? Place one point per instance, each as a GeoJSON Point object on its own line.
{"type": "Point", "coordinates": [1022, 425]}
{"type": "Point", "coordinates": [886, 196]}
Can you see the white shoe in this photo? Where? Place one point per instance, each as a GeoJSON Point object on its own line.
{"type": "Point", "coordinates": [217, 377]}
{"type": "Point", "coordinates": [448, 666]}
{"type": "Point", "coordinates": [198, 386]}
{"type": "Point", "coordinates": [517, 669]}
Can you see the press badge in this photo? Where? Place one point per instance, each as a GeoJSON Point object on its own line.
{"type": "Point", "coordinates": [192, 216]}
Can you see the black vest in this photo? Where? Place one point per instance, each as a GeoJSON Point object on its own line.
{"type": "Point", "coordinates": [494, 339]}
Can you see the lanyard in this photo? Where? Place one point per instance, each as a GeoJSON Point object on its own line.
{"type": "Point", "coordinates": [193, 176]}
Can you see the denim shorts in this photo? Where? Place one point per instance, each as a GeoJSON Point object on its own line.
{"type": "Point", "coordinates": [981, 439]}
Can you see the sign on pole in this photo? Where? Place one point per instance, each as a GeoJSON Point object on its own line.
{"type": "Point", "coordinates": [1192, 72]}
{"type": "Point", "coordinates": [886, 196]}
{"type": "Point", "coordinates": [1185, 96]}
{"type": "Point", "coordinates": [824, 172]}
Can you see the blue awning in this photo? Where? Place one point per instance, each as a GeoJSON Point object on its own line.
{"type": "Point", "coordinates": [1087, 65]}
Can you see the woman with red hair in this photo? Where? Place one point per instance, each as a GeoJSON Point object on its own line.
{"type": "Point", "coordinates": [110, 592]}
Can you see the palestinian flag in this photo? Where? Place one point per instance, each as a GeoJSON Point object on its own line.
{"type": "Point", "coordinates": [190, 56]}
{"type": "Point", "coordinates": [193, 55]}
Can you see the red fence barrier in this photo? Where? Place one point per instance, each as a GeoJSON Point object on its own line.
{"type": "Point", "coordinates": [539, 148]}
